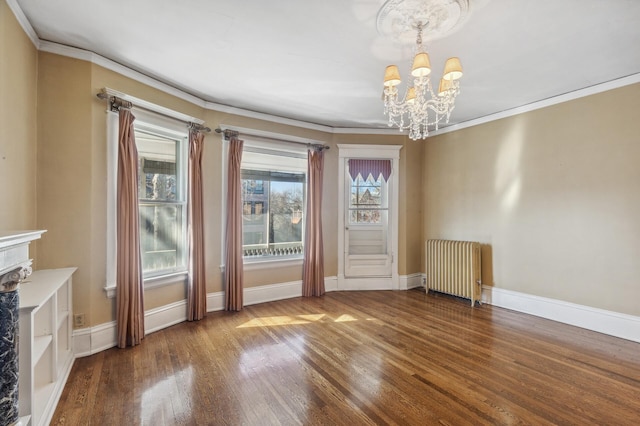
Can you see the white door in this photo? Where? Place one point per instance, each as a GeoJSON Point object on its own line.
{"type": "Point", "coordinates": [367, 246]}
{"type": "Point", "coordinates": [368, 223]}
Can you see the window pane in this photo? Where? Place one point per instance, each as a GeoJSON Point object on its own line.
{"type": "Point", "coordinates": [160, 237]}
{"type": "Point", "coordinates": [162, 208]}
{"type": "Point", "coordinates": [158, 186]}
{"type": "Point", "coordinates": [367, 192]}
{"type": "Point", "coordinates": [365, 216]}
{"type": "Point", "coordinates": [286, 212]}
{"type": "Point", "coordinates": [157, 168]}
{"type": "Point", "coordinates": [273, 203]}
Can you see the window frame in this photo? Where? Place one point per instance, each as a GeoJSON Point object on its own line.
{"type": "Point", "coordinates": [286, 147]}
{"type": "Point", "coordinates": [152, 122]}
{"type": "Point", "coordinates": [182, 142]}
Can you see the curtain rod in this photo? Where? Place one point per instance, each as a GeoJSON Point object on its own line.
{"type": "Point", "coordinates": [115, 103]}
{"type": "Point", "coordinates": [228, 134]}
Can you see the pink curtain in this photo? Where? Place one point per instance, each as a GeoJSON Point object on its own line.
{"type": "Point", "coordinates": [129, 284]}
{"type": "Point", "coordinates": [233, 243]}
{"type": "Point", "coordinates": [365, 168]}
{"type": "Point", "coordinates": [197, 290]}
{"type": "Point", "coordinates": [313, 266]}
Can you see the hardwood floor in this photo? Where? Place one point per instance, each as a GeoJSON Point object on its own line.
{"type": "Point", "coordinates": [357, 358]}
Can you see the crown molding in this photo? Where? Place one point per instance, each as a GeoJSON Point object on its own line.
{"type": "Point", "coordinates": [367, 131]}
{"type": "Point", "coordinates": [85, 55]}
{"type": "Point", "coordinates": [94, 58]}
{"type": "Point", "coordinates": [24, 22]}
{"type": "Point", "coordinates": [570, 96]}
{"type": "Point", "coordinates": [267, 117]}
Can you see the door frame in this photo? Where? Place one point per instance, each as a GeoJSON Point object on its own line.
{"type": "Point", "coordinates": [381, 152]}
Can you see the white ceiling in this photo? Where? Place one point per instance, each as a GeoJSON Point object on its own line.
{"type": "Point", "coordinates": [322, 62]}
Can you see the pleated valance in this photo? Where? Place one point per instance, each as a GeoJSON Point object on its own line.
{"type": "Point", "coordinates": [374, 168]}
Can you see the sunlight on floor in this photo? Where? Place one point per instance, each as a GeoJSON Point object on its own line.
{"type": "Point", "coordinates": [345, 318]}
{"type": "Point", "coordinates": [293, 320]}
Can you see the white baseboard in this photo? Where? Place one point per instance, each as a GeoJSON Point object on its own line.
{"type": "Point", "coordinates": [600, 320]}
{"type": "Point", "coordinates": [330, 284]}
{"type": "Point", "coordinates": [88, 341]}
{"type": "Point", "coordinates": [271, 292]}
{"type": "Point", "coordinates": [408, 282]}
{"type": "Point", "coordinates": [165, 316]}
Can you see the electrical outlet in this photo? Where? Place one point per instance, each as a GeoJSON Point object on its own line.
{"type": "Point", "coordinates": [78, 320]}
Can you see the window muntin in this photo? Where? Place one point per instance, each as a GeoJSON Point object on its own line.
{"type": "Point", "coordinates": [368, 200]}
{"type": "Point", "coordinates": [273, 199]}
{"type": "Point", "coordinates": [162, 202]}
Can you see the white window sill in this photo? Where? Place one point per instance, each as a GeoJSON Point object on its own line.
{"type": "Point", "coordinates": [154, 282]}
{"type": "Point", "coordinates": [252, 264]}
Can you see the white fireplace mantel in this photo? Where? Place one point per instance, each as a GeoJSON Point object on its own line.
{"type": "Point", "coordinates": [14, 249]}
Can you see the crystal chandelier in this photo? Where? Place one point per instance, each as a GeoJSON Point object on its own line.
{"type": "Point", "coordinates": [421, 106]}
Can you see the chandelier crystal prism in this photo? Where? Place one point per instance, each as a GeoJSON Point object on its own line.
{"type": "Point", "coordinates": [422, 106]}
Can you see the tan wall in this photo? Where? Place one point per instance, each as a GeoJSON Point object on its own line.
{"type": "Point", "coordinates": [18, 89]}
{"type": "Point", "coordinates": [64, 170]}
{"type": "Point", "coordinates": [72, 183]}
{"type": "Point", "coordinates": [555, 192]}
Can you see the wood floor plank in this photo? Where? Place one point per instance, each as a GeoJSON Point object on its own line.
{"type": "Point", "coordinates": [360, 358]}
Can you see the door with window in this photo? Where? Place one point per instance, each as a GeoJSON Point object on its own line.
{"type": "Point", "coordinates": [367, 246]}
{"type": "Point", "coordinates": [368, 225]}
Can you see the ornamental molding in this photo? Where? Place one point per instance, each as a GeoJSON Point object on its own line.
{"type": "Point", "coordinates": [9, 280]}
{"type": "Point", "coordinates": [399, 19]}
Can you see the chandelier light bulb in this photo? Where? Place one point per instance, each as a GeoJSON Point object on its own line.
{"type": "Point", "coordinates": [452, 69]}
{"type": "Point", "coordinates": [421, 107]}
{"type": "Point", "coordinates": [392, 76]}
{"type": "Point", "coordinates": [445, 87]}
{"type": "Point", "coordinates": [411, 95]}
{"type": "Point", "coordinates": [421, 65]}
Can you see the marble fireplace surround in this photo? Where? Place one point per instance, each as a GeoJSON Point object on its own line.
{"type": "Point", "coordinates": [15, 265]}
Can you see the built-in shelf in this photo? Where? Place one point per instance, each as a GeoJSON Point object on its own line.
{"type": "Point", "coordinates": [23, 421]}
{"type": "Point", "coordinates": [63, 317]}
{"type": "Point", "coordinates": [40, 345]}
{"type": "Point", "coordinates": [46, 347]}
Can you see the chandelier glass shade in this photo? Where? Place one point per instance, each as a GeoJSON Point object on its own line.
{"type": "Point", "coordinates": [421, 106]}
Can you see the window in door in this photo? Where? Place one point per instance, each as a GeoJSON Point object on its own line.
{"type": "Point", "coordinates": [368, 215]}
